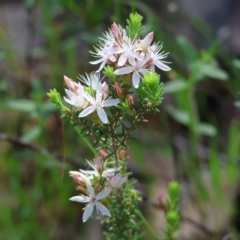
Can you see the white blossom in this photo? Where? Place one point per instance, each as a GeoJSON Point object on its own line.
{"type": "Point", "coordinates": [92, 201]}
{"type": "Point", "coordinates": [99, 169]}
{"type": "Point", "coordinates": [138, 68]}
{"type": "Point", "coordinates": [97, 104]}
{"type": "Point", "coordinates": [76, 98]}
{"type": "Point", "coordinates": [91, 80]}
{"type": "Point", "coordinates": [117, 181]}
{"type": "Point", "coordinates": [156, 56]}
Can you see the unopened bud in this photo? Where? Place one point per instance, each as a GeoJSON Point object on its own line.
{"type": "Point", "coordinates": [119, 90]}
{"type": "Point", "coordinates": [131, 102]}
{"type": "Point", "coordinates": [72, 86]}
{"type": "Point", "coordinates": [123, 154]}
{"type": "Point", "coordinates": [145, 43]}
{"type": "Point", "coordinates": [117, 180]}
{"type": "Point", "coordinates": [102, 153]}
{"type": "Point", "coordinates": [78, 178]}
{"type": "Point", "coordinates": [115, 30]}
{"type": "Point", "coordinates": [105, 91]}
{"type": "Point", "coordinates": [162, 203]}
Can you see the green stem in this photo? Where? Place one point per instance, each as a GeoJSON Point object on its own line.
{"type": "Point", "coordinates": [193, 123]}
{"type": "Point", "coordinates": [85, 140]}
{"type": "Point", "coordinates": [150, 229]}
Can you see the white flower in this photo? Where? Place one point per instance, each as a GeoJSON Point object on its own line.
{"type": "Point", "coordinates": [99, 168]}
{"type": "Point", "coordinates": [137, 67]}
{"type": "Point", "coordinates": [127, 53]}
{"type": "Point", "coordinates": [76, 98]}
{"type": "Point", "coordinates": [117, 180]}
{"type": "Point", "coordinates": [93, 201]}
{"type": "Point", "coordinates": [156, 56]}
{"type": "Point", "coordinates": [97, 104]}
{"type": "Point", "coordinates": [91, 80]}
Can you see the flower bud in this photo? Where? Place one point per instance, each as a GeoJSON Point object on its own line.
{"type": "Point", "coordinates": [162, 203]}
{"type": "Point", "coordinates": [145, 43]}
{"type": "Point", "coordinates": [72, 86]}
{"type": "Point", "coordinates": [99, 164]}
{"type": "Point", "coordinates": [117, 180]}
{"type": "Point", "coordinates": [78, 178]}
{"type": "Point", "coordinates": [131, 102]}
{"type": "Point", "coordinates": [122, 154]}
{"type": "Point", "coordinates": [105, 91]}
{"type": "Point", "coordinates": [115, 30]}
{"type": "Point", "coordinates": [102, 153]}
{"type": "Point", "coordinates": [119, 90]}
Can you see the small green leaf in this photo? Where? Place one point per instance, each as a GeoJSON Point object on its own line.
{"type": "Point", "coordinates": [180, 116]}
{"type": "Point", "coordinates": [175, 86]}
{"type": "Point", "coordinates": [32, 134]}
{"type": "Point", "coordinates": [188, 49]}
{"type": "Point", "coordinates": [207, 129]}
{"type": "Point", "coordinates": [21, 105]}
{"type": "Point", "coordinates": [214, 72]}
{"type": "Point", "coordinates": [183, 118]}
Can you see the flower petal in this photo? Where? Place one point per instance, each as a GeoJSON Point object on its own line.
{"type": "Point", "coordinates": [162, 66]}
{"type": "Point", "coordinates": [102, 115]}
{"type": "Point", "coordinates": [110, 102]}
{"type": "Point", "coordinates": [87, 111]}
{"type": "Point", "coordinates": [87, 212]}
{"type": "Point", "coordinates": [104, 193]}
{"type": "Point", "coordinates": [81, 199]}
{"type": "Point", "coordinates": [97, 61]}
{"type": "Point", "coordinates": [135, 79]}
{"type": "Point", "coordinates": [124, 70]}
{"type": "Point", "coordinates": [90, 189]}
{"type": "Point", "coordinates": [102, 209]}
{"type": "Point", "coordinates": [122, 60]}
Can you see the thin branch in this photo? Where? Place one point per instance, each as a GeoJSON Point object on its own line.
{"type": "Point", "coordinates": [36, 148]}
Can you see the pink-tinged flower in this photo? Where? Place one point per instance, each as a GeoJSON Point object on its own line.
{"type": "Point", "coordinates": [75, 96]}
{"type": "Point", "coordinates": [72, 86]}
{"type": "Point", "coordinates": [99, 169]}
{"type": "Point", "coordinates": [117, 181]}
{"type": "Point", "coordinates": [138, 68]}
{"type": "Point", "coordinates": [146, 42]}
{"type": "Point", "coordinates": [97, 104]}
{"type": "Point", "coordinates": [105, 51]}
{"type": "Point", "coordinates": [116, 31]}
{"type": "Point", "coordinates": [93, 201]}
{"type": "Point", "coordinates": [156, 56]}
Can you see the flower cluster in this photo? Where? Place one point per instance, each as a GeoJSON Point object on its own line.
{"type": "Point", "coordinates": [91, 97]}
{"type": "Point", "coordinates": [135, 57]}
{"type": "Point", "coordinates": [96, 185]}
{"type": "Point", "coordinates": [132, 91]}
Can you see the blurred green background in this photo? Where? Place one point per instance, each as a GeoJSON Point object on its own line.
{"type": "Point", "coordinates": [194, 139]}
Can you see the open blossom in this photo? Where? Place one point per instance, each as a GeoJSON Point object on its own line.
{"type": "Point", "coordinates": [138, 68]}
{"type": "Point", "coordinates": [157, 57]}
{"type": "Point", "coordinates": [92, 201]}
{"type": "Point", "coordinates": [99, 169]}
{"type": "Point", "coordinates": [91, 80]}
{"type": "Point", "coordinates": [97, 104]}
{"type": "Point", "coordinates": [117, 181]}
{"type": "Point", "coordinates": [75, 94]}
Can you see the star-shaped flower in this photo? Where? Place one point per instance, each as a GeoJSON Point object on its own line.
{"type": "Point", "coordinates": [99, 169]}
{"type": "Point", "coordinates": [93, 201]}
{"type": "Point", "coordinates": [138, 69]}
{"type": "Point", "coordinates": [97, 104]}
